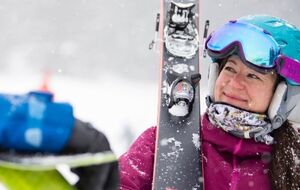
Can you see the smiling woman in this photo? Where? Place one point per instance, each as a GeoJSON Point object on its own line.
{"type": "Point", "coordinates": [252, 97]}
{"type": "Point", "coordinates": [244, 87]}
{"type": "Point", "coordinates": [247, 140]}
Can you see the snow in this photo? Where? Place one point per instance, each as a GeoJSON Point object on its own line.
{"type": "Point", "coordinates": [165, 87]}
{"type": "Point", "coordinates": [179, 110]}
{"type": "Point", "coordinates": [251, 183]}
{"type": "Point", "coordinates": [184, 5]}
{"type": "Point", "coordinates": [179, 18]}
{"type": "Point", "coordinates": [192, 68]}
{"type": "Point", "coordinates": [175, 150]}
{"type": "Point", "coordinates": [196, 140]}
{"type": "Point", "coordinates": [295, 157]}
{"type": "Point", "coordinates": [136, 168]}
{"type": "Point", "coordinates": [180, 68]}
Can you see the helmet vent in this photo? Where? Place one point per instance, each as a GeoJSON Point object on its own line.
{"type": "Point", "coordinates": [274, 23]}
{"type": "Point", "coordinates": [281, 43]}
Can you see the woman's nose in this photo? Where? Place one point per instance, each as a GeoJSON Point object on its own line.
{"type": "Point", "coordinates": [237, 81]}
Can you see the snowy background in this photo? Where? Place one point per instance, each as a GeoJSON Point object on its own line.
{"type": "Point", "coordinates": [94, 54]}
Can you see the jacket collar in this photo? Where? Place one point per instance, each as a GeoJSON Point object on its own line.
{"type": "Point", "coordinates": [226, 142]}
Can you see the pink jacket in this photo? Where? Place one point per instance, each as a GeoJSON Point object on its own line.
{"type": "Point", "coordinates": [229, 163]}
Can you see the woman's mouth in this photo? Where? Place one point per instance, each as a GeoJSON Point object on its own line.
{"type": "Point", "coordinates": [234, 97]}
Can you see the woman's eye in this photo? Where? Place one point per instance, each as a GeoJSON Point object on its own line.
{"type": "Point", "coordinates": [230, 69]}
{"type": "Point", "coordinates": [253, 76]}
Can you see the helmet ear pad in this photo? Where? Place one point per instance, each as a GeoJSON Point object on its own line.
{"type": "Point", "coordinates": [284, 104]}
{"type": "Point", "coordinates": [213, 73]}
{"type": "Point", "coordinates": [276, 101]}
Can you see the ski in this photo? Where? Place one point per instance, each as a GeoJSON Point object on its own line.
{"type": "Point", "coordinates": [43, 171]}
{"type": "Point", "coordinates": [44, 162]}
{"type": "Point", "coordinates": [15, 179]}
{"type": "Point", "coordinates": [178, 163]}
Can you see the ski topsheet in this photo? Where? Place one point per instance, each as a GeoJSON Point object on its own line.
{"type": "Point", "coordinates": [14, 179]}
{"type": "Point", "coordinates": [178, 157]}
{"type": "Point", "coordinates": [50, 162]}
{"type": "Point", "coordinates": [41, 171]}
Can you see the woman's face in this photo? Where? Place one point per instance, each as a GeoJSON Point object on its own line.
{"type": "Point", "coordinates": [243, 87]}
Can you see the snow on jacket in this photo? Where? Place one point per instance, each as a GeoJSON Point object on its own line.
{"type": "Point", "coordinates": [229, 163]}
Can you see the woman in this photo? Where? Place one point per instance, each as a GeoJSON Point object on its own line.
{"type": "Point", "coordinates": [247, 142]}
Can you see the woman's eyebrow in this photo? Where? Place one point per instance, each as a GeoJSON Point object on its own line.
{"type": "Point", "coordinates": [232, 61]}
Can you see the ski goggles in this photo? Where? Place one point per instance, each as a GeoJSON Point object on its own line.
{"type": "Point", "coordinates": [255, 46]}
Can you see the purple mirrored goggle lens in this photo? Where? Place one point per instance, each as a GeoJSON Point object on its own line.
{"type": "Point", "coordinates": [253, 44]}
{"type": "Point", "coordinates": [289, 69]}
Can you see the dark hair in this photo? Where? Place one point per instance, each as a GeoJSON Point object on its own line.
{"type": "Point", "coordinates": [285, 159]}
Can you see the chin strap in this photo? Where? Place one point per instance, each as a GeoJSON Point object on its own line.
{"type": "Point", "coordinates": [259, 134]}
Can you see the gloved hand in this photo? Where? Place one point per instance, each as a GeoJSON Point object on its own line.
{"type": "Point", "coordinates": [86, 139]}
{"type": "Point", "coordinates": [33, 122]}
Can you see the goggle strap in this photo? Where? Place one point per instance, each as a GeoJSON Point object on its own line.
{"type": "Point", "coordinates": [288, 68]}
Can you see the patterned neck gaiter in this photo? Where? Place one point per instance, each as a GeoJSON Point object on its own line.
{"type": "Point", "coordinates": [241, 123]}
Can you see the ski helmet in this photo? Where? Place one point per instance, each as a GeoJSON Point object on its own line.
{"type": "Point", "coordinates": [286, 35]}
{"type": "Point", "coordinates": [252, 38]}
